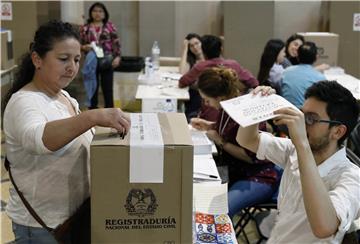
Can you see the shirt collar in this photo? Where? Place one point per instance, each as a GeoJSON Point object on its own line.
{"type": "Point", "coordinates": [332, 162]}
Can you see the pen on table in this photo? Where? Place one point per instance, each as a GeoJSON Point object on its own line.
{"type": "Point", "coordinates": [210, 176]}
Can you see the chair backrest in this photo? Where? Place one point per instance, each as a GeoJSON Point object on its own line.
{"type": "Point", "coordinates": [352, 156]}
{"type": "Point", "coordinates": [353, 142]}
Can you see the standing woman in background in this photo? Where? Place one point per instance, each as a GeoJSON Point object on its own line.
{"type": "Point", "coordinates": [102, 31]}
{"type": "Point", "coordinates": [47, 138]}
{"type": "Point", "coordinates": [191, 52]}
{"type": "Point", "coordinates": [291, 50]}
{"type": "Point", "coordinates": [270, 64]}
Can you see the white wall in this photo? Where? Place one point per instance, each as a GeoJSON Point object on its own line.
{"type": "Point", "coordinates": [173, 21]}
{"type": "Point", "coordinates": [198, 17]}
{"type": "Point", "coordinates": [292, 17]}
{"type": "Point", "coordinates": [157, 22]}
{"type": "Point", "coordinates": [248, 25]}
{"type": "Point", "coordinates": [72, 12]}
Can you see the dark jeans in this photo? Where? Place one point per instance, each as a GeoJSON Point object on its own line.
{"type": "Point", "coordinates": [105, 78]}
{"type": "Point", "coordinates": [31, 235]}
{"type": "Point", "coordinates": [246, 193]}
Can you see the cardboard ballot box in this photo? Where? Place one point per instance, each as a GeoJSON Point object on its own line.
{"type": "Point", "coordinates": [141, 186]}
{"type": "Point", "coordinates": [327, 45]}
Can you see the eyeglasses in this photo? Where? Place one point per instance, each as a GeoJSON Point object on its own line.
{"type": "Point", "coordinates": [311, 119]}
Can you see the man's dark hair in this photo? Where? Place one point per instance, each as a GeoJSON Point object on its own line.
{"type": "Point", "coordinates": [307, 53]}
{"type": "Point", "coordinates": [211, 46]}
{"type": "Point", "coordinates": [341, 105]}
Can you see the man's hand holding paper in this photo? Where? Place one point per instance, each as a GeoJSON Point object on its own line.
{"type": "Point", "coordinates": [255, 107]}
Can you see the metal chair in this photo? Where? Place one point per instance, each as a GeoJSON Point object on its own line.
{"type": "Point", "coordinates": [354, 236]}
{"type": "Point", "coordinates": [352, 156]}
{"type": "Point", "coordinates": [257, 213]}
{"type": "Point", "coordinates": [353, 141]}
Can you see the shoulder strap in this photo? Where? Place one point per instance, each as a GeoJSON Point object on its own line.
{"type": "Point", "coordinates": [25, 202]}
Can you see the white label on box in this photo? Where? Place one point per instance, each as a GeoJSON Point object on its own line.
{"type": "Point", "coordinates": [146, 149]}
{"type": "Point", "coordinates": [356, 24]}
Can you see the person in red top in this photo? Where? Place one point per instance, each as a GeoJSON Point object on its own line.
{"type": "Point", "coordinates": [102, 31]}
{"type": "Point", "coordinates": [212, 47]}
{"type": "Point", "coordinates": [251, 181]}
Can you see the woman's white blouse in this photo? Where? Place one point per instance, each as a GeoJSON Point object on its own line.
{"type": "Point", "coordinates": [54, 183]}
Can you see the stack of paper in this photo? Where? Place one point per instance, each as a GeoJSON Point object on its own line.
{"type": "Point", "coordinates": [205, 169]}
{"type": "Point", "coordinates": [210, 198]}
{"type": "Point", "coordinates": [211, 223]}
{"type": "Point", "coordinates": [202, 144]}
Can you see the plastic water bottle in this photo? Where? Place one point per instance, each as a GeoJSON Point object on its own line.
{"type": "Point", "coordinates": [148, 67]}
{"type": "Point", "coordinates": [155, 52]}
{"type": "Point", "coordinates": [169, 107]}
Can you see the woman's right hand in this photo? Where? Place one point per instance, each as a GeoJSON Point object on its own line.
{"type": "Point", "coordinates": [185, 45]}
{"type": "Point", "coordinates": [184, 65]}
{"type": "Point", "coordinates": [112, 117]}
{"type": "Point", "coordinates": [201, 124]}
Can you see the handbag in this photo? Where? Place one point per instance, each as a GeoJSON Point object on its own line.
{"type": "Point", "coordinates": [131, 64]}
{"type": "Point", "coordinates": [75, 229]}
{"type": "Point", "coordinates": [105, 63]}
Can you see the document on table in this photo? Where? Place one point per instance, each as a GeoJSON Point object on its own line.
{"type": "Point", "coordinates": [170, 76]}
{"type": "Point", "coordinates": [202, 144]}
{"type": "Point", "coordinates": [250, 109]}
{"type": "Point", "coordinates": [210, 199]}
{"type": "Point", "coordinates": [205, 168]}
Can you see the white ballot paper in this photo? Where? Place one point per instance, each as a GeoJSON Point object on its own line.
{"type": "Point", "coordinates": [250, 109]}
{"type": "Point", "coordinates": [210, 199]}
{"type": "Point", "coordinates": [205, 168]}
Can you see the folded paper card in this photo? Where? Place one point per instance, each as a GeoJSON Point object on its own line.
{"type": "Point", "coordinates": [251, 109]}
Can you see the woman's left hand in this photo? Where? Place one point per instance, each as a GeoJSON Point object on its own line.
{"type": "Point", "coordinates": [116, 62]}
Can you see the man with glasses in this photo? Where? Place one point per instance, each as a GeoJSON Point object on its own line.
{"type": "Point", "coordinates": [320, 188]}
